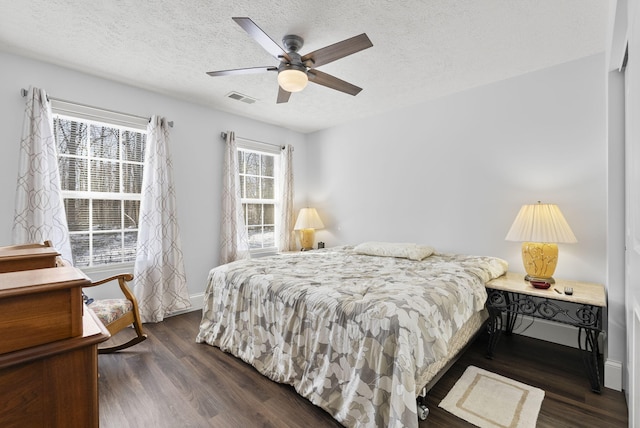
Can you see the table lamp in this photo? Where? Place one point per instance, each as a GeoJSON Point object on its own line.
{"type": "Point", "coordinates": [307, 223]}
{"type": "Point", "coordinates": [540, 227]}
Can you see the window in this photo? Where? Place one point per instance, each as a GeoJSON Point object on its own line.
{"type": "Point", "coordinates": [101, 168]}
{"type": "Point", "coordinates": [258, 186]}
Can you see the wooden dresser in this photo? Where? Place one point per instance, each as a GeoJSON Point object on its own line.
{"type": "Point", "coordinates": [48, 347]}
{"type": "Point", "coordinates": [26, 257]}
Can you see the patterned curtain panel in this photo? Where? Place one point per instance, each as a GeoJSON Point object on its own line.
{"type": "Point", "coordinates": [39, 208]}
{"type": "Point", "coordinates": [160, 281]}
{"type": "Point", "coordinates": [287, 237]}
{"type": "Point", "coordinates": [234, 242]}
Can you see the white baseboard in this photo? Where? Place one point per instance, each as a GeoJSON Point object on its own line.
{"type": "Point", "coordinates": [567, 335]}
{"type": "Point", "coordinates": [197, 303]}
{"type": "Point", "coordinates": [613, 374]}
{"type": "Point", "coordinates": [545, 330]}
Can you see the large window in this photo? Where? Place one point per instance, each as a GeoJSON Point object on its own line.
{"type": "Point", "coordinates": [258, 187]}
{"type": "Point", "coordinates": [101, 176]}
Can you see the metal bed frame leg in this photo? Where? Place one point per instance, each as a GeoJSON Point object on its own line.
{"type": "Point", "coordinates": [423, 410]}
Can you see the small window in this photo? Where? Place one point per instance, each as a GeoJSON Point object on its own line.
{"type": "Point", "coordinates": [101, 168]}
{"type": "Point", "coordinates": [258, 188]}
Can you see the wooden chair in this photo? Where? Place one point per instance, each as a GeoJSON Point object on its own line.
{"type": "Point", "coordinates": [117, 314]}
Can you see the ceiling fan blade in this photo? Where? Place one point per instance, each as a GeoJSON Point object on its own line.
{"type": "Point", "coordinates": [338, 50]}
{"type": "Point", "coordinates": [261, 37]}
{"type": "Point", "coordinates": [283, 96]}
{"type": "Point", "coordinates": [238, 71]}
{"type": "Point", "coordinates": [332, 82]}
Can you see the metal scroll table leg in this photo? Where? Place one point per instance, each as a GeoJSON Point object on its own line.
{"type": "Point", "coordinates": [588, 343]}
{"type": "Point", "coordinates": [511, 322]}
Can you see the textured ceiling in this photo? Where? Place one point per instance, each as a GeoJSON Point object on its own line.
{"type": "Point", "coordinates": [421, 49]}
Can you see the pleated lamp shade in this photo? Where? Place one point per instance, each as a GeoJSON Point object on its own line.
{"type": "Point", "coordinates": [541, 223]}
{"type": "Point", "coordinates": [540, 227]}
{"type": "Point", "coordinates": [308, 218]}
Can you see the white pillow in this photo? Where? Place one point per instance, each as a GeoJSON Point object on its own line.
{"type": "Point", "coordinates": [389, 249]}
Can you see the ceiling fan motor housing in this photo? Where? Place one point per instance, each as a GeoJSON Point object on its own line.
{"type": "Point", "coordinates": [294, 64]}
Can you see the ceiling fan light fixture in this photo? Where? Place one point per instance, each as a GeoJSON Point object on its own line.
{"type": "Point", "coordinates": [292, 80]}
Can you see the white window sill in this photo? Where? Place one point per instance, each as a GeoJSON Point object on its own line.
{"type": "Point", "coordinates": [108, 269]}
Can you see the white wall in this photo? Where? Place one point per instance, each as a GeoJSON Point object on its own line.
{"type": "Point", "coordinates": [196, 149]}
{"type": "Point", "coordinates": [453, 173]}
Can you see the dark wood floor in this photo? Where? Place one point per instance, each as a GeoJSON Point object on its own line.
{"type": "Point", "coordinates": [170, 381]}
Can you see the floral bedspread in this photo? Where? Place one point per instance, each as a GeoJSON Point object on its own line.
{"type": "Point", "coordinates": [352, 333]}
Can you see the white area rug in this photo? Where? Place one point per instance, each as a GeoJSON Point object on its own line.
{"type": "Point", "coordinates": [489, 400]}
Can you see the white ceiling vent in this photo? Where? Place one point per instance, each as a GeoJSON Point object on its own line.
{"type": "Point", "coordinates": [239, 97]}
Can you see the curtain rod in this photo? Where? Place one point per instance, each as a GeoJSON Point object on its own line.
{"type": "Point", "coordinates": [223, 135]}
{"type": "Point", "coordinates": [24, 93]}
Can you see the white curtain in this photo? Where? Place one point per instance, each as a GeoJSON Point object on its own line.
{"type": "Point", "coordinates": [287, 237]}
{"type": "Point", "coordinates": [160, 282]}
{"type": "Point", "coordinates": [234, 242]}
{"type": "Point", "coordinates": [39, 208]}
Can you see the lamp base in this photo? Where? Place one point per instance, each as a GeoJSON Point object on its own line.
{"type": "Point", "coordinates": [539, 259]}
{"type": "Point", "coordinates": [539, 279]}
{"type": "Point", "coordinates": [307, 236]}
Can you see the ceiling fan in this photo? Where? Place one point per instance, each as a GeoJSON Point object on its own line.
{"type": "Point", "coordinates": [294, 71]}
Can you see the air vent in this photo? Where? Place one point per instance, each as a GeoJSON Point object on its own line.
{"type": "Point", "coordinates": [239, 97]}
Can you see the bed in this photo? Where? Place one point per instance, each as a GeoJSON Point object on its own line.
{"type": "Point", "coordinates": [357, 334]}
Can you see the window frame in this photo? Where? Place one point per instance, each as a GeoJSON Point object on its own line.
{"type": "Point", "coordinates": [267, 149]}
{"type": "Point", "coordinates": [92, 116]}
